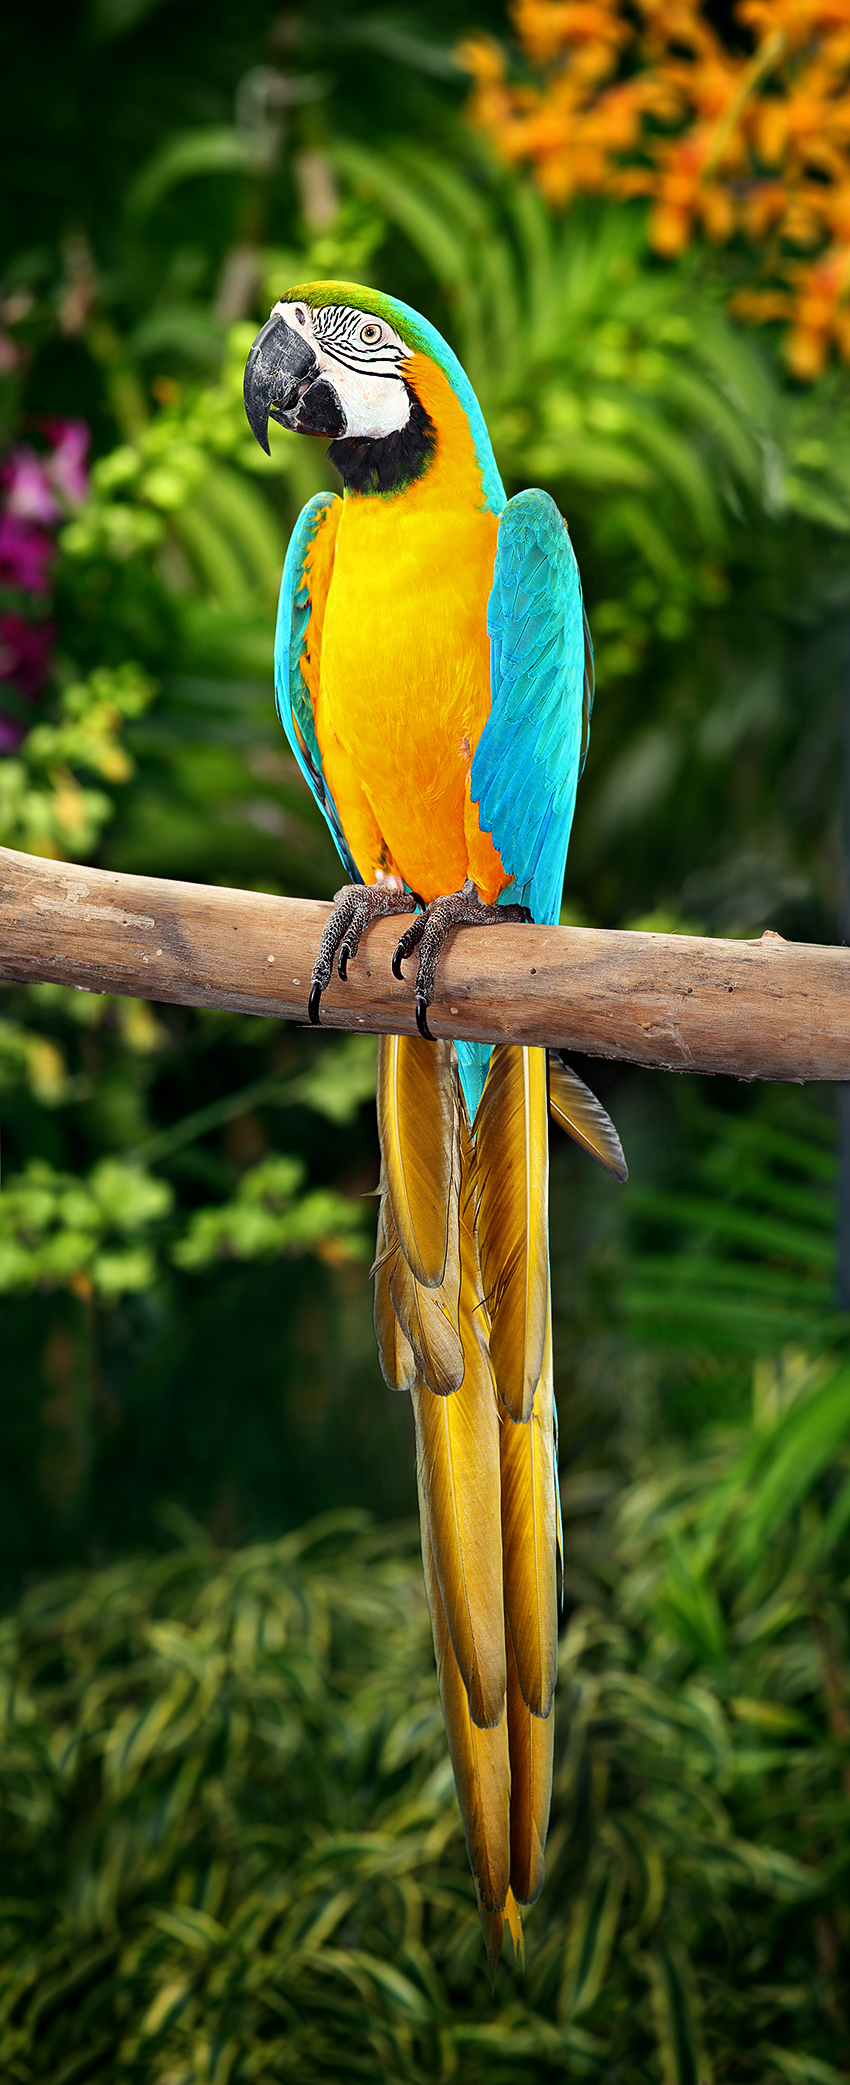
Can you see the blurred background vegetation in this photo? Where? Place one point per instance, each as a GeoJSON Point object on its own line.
{"type": "Point", "coordinates": [230, 1848]}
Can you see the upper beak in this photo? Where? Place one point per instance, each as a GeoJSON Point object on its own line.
{"type": "Point", "coordinates": [277, 372]}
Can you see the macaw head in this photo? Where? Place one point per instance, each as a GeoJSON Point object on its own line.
{"type": "Point", "coordinates": [339, 360]}
{"type": "Point", "coordinates": [330, 369]}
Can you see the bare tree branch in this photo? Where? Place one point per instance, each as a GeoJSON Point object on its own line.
{"type": "Point", "coordinates": [766, 1009]}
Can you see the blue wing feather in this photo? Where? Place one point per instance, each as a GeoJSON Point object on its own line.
{"type": "Point", "coordinates": [292, 695]}
{"type": "Point", "coordinates": [531, 751]}
{"type": "Point", "coordinates": [527, 762]}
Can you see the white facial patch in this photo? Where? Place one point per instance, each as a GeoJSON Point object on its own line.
{"type": "Point", "coordinates": [364, 360]}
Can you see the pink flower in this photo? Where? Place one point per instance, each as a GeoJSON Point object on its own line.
{"type": "Point", "coordinates": [25, 652]}
{"type": "Point", "coordinates": [29, 493]}
{"type": "Point", "coordinates": [25, 555]}
{"type": "Point", "coordinates": [67, 466]}
{"type": "Point", "coordinates": [39, 489]}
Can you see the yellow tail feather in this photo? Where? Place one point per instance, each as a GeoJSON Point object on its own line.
{"type": "Point", "coordinates": [512, 1160]}
{"type": "Point", "coordinates": [531, 1741]}
{"type": "Point", "coordinates": [578, 1111]}
{"type": "Point", "coordinates": [529, 1519]}
{"type": "Point", "coordinates": [415, 1124]}
{"type": "Point", "coordinates": [395, 1353]}
{"type": "Point", "coordinates": [418, 1258]}
{"type": "Point", "coordinates": [479, 1758]}
{"type": "Point", "coordinates": [430, 1316]}
{"type": "Point", "coordinates": [458, 1467]}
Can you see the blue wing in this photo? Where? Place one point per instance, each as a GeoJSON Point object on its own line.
{"type": "Point", "coordinates": [531, 751]}
{"type": "Point", "coordinates": [292, 696]}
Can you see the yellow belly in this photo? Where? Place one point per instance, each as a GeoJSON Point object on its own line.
{"type": "Point", "coordinates": [404, 689]}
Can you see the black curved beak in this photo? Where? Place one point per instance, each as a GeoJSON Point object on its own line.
{"type": "Point", "coordinates": [279, 368]}
{"type": "Point", "coordinates": [283, 383]}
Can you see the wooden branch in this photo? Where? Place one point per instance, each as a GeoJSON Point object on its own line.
{"type": "Point", "coordinates": [767, 1009]}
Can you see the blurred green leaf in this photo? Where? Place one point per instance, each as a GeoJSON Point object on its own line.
{"type": "Point", "coordinates": [216, 149]}
{"type": "Point", "coordinates": [54, 1226]}
{"type": "Point", "coordinates": [269, 1216]}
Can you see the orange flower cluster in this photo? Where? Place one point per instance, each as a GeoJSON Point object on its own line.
{"type": "Point", "coordinates": [744, 138]}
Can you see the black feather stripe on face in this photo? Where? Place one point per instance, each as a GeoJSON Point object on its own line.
{"type": "Point", "coordinates": [337, 328]}
{"type": "Point", "coordinates": [392, 461]}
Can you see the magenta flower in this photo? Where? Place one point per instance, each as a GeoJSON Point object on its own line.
{"type": "Point", "coordinates": [39, 489]}
{"type": "Point", "coordinates": [25, 556]}
{"type": "Point", "coordinates": [29, 493]}
{"type": "Point", "coordinates": [36, 492]}
{"type": "Point", "coordinates": [25, 652]}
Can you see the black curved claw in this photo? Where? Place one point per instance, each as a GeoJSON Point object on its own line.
{"type": "Point", "coordinates": [403, 950]}
{"type": "Point", "coordinates": [422, 1018]}
{"type": "Point", "coordinates": [430, 931]}
{"type": "Point", "coordinates": [355, 907]}
{"type": "Point", "coordinates": [409, 941]}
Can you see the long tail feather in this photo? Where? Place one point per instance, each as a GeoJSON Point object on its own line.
{"type": "Point", "coordinates": [512, 1156]}
{"type": "Point", "coordinates": [529, 1519]}
{"type": "Point", "coordinates": [458, 1467]}
{"type": "Point", "coordinates": [415, 1123]}
{"type": "Point", "coordinates": [479, 1758]}
{"type": "Point", "coordinates": [531, 1741]}
{"type": "Point", "coordinates": [578, 1111]}
{"type": "Point", "coordinates": [430, 1317]}
{"type": "Point", "coordinates": [418, 1225]}
{"type": "Point", "coordinates": [395, 1353]}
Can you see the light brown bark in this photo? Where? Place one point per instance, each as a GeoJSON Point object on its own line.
{"type": "Point", "coordinates": [766, 1009]}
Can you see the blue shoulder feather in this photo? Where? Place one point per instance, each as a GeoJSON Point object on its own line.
{"type": "Point", "coordinates": [292, 696]}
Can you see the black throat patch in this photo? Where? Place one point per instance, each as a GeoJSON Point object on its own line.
{"type": "Point", "coordinates": [392, 462]}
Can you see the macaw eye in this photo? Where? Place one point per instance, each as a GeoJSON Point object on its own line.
{"type": "Point", "coordinates": [370, 334]}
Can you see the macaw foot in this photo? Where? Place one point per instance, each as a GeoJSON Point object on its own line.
{"type": "Point", "coordinates": [355, 907]}
{"type": "Point", "coordinates": [430, 932]}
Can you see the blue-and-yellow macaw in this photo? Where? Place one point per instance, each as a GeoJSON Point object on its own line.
{"type": "Point", "coordinates": [433, 674]}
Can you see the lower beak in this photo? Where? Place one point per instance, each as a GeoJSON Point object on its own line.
{"type": "Point", "coordinates": [283, 382]}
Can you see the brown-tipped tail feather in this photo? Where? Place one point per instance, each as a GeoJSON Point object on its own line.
{"type": "Point", "coordinates": [578, 1111]}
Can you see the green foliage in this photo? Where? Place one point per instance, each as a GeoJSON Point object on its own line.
{"type": "Point", "coordinates": [266, 1875]}
{"type": "Point", "coordinates": [748, 1264]}
{"type": "Point", "coordinates": [57, 1229]}
{"type": "Point", "coordinates": [44, 808]}
{"type": "Point", "coordinates": [134, 1397]}
{"type": "Point", "coordinates": [268, 1217]}
{"type": "Point", "coordinates": [32, 1060]}
{"type": "Point", "coordinates": [138, 486]}
{"type": "Point", "coordinates": [336, 1083]}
